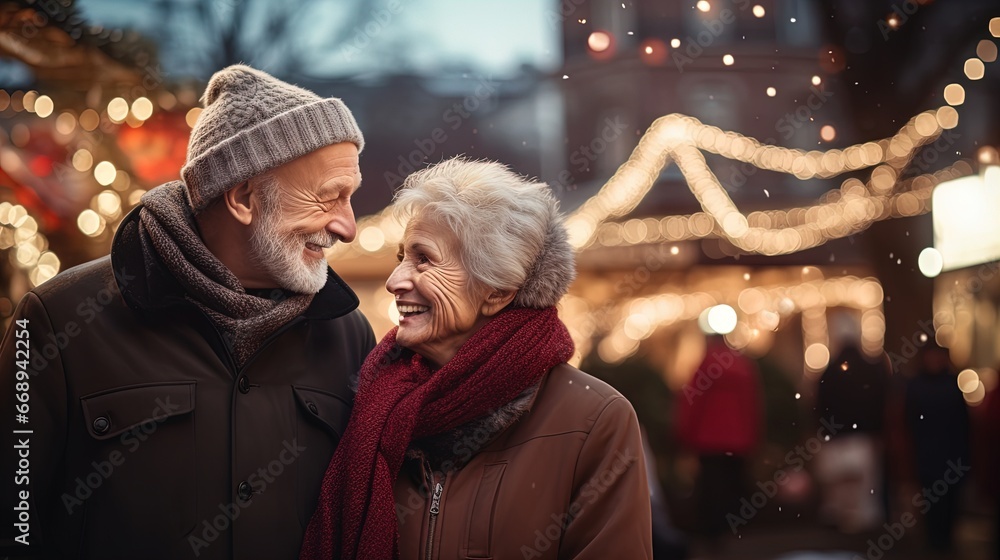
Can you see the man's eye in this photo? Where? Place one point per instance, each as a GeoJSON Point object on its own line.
{"type": "Point", "coordinates": [422, 259]}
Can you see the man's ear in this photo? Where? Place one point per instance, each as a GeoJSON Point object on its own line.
{"type": "Point", "coordinates": [496, 301]}
{"type": "Point", "coordinates": [237, 201]}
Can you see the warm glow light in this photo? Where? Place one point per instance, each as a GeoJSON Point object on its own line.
{"type": "Point", "coordinates": [371, 239]}
{"type": "Point", "coordinates": [968, 380]}
{"type": "Point", "coordinates": [930, 262]}
{"type": "Point", "coordinates": [675, 43]}
{"type": "Point", "coordinates": [28, 101]}
{"type": "Point", "coordinates": [758, 11]}
{"type": "Point", "coordinates": [393, 312]}
{"type": "Point", "coordinates": [44, 106]}
{"type": "Point", "coordinates": [722, 319]}
{"type": "Point", "coordinates": [118, 109]}
{"type": "Point", "coordinates": [974, 69]}
{"type": "Point", "coordinates": [976, 395]}
{"type": "Point", "coordinates": [105, 173]}
{"type": "Point", "coordinates": [109, 203]}
{"type": "Point", "coordinates": [954, 94]}
{"type": "Point", "coordinates": [947, 117]}
{"type": "Point", "coordinates": [728, 59]}
{"type": "Point", "coordinates": [817, 356]}
{"type": "Point", "coordinates": [771, 92]}
{"type": "Point", "coordinates": [816, 80]}
{"type": "Point", "coordinates": [83, 160]}
{"type": "Point", "coordinates": [47, 267]}
{"type": "Point", "coordinates": [986, 50]}
{"type": "Point", "coordinates": [89, 222]}
{"type": "Point", "coordinates": [27, 255]}
{"type": "Point", "coordinates": [142, 108]}
{"type": "Point", "coordinates": [995, 27]}
{"type": "Point", "coordinates": [192, 116]}
{"type": "Point", "coordinates": [65, 123]}
{"type": "Point", "coordinates": [89, 119]}
{"type": "Point", "coordinates": [704, 6]}
{"type": "Point", "coordinates": [827, 133]}
{"type": "Point", "coordinates": [599, 41]}
{"type": "Point", "coordinates": [966, 231]}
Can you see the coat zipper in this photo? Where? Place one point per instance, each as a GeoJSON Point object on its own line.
{"type": "Point", "coordinates": [435, 508]}
{"type": "Point", "coordinates": [432, 523]}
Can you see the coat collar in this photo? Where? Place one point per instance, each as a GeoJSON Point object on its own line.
{"type": "Point", "coordinates": [146, 285]}
{"type": "Point", "coordinates": [452, 450]}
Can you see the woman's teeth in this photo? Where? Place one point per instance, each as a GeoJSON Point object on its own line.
{"type": "Point", "coordinates": [408, 310]}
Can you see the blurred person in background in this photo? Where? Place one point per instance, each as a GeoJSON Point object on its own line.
{"type": "Point", "coordinates": [719, 417]}
{"type": "Point", "coordinates": [849, 467]}
{"type": "Point", "coordinates": [938, 422]}
{"type": "Point", "coordinates": [471, 437]}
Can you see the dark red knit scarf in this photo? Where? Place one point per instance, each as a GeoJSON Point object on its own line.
{"type": "Point", "coordinates": [400, 397]}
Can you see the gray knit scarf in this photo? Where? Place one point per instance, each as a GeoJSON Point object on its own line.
{"type": "Point", "coordinates": [167, 226]}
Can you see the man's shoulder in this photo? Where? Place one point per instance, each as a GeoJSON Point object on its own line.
{"type": "Point", "coordinates": [90, 276]}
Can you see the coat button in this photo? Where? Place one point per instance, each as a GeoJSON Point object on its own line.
{"type": "Point", "coordinates": [101, 424]}
{"type": "Point", "coordinates": [312, 407]}
{"type": "Point", "coordinates": [244, 491]}
{"type": "Point", "coordinates": [244, 384]}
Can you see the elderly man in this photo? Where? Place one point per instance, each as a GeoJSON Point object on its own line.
{"type": "Point", "coordinates": [184, 395]}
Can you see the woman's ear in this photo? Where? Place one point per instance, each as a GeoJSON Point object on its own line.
{"type": "Point", "coordinates": [237, 201]}
{"type": "Point", "coordinates": [496, 301]}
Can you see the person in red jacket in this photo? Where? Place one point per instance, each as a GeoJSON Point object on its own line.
{"type": "Point", "coordinates": [718, 417]}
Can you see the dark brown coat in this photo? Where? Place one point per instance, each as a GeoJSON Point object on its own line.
{"type": "Point", "coordinates": [147, 442]}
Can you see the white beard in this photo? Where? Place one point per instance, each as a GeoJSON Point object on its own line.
{"type": "Point", "coordinates": [281, 255]}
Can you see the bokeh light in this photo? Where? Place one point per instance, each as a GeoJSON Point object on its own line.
{"type": "Point", "coordinates": [117, 109]}
{"type": "Point", "coordinates": [930, 262]}
{"type": "Point", "coordinates": [192, 116]}
{"type": "Point", "coordinates": [974, 69]}
{"type": "Point", "coordinates": [722, 319]}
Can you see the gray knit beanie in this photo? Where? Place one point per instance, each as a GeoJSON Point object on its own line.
{"type": "Point", "coordinates": [253, 122]}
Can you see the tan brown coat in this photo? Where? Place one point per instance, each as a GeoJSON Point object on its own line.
{"type": "Point", "coordinates": [565, 480]}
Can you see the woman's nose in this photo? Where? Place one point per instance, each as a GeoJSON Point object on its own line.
{"type": "Point", "coordinates": [399, 281]}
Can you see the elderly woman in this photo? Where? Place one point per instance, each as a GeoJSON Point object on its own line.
{"type": "Point", "coordinates": [470, 436]}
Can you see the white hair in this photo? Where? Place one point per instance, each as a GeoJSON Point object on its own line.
{"type": "Point", "coordinates": [509, 228]}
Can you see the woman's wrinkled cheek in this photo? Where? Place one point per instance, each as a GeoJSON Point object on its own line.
{"type": "Point", "coordinates": [447, 294]}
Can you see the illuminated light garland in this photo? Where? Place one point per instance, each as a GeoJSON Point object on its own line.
{"type": "Point", "coordinates": [833, 213]}
{"type": "Point", "coordinates": [681, 139]}
{"type": "Point", "coordinates": [761, 307]}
